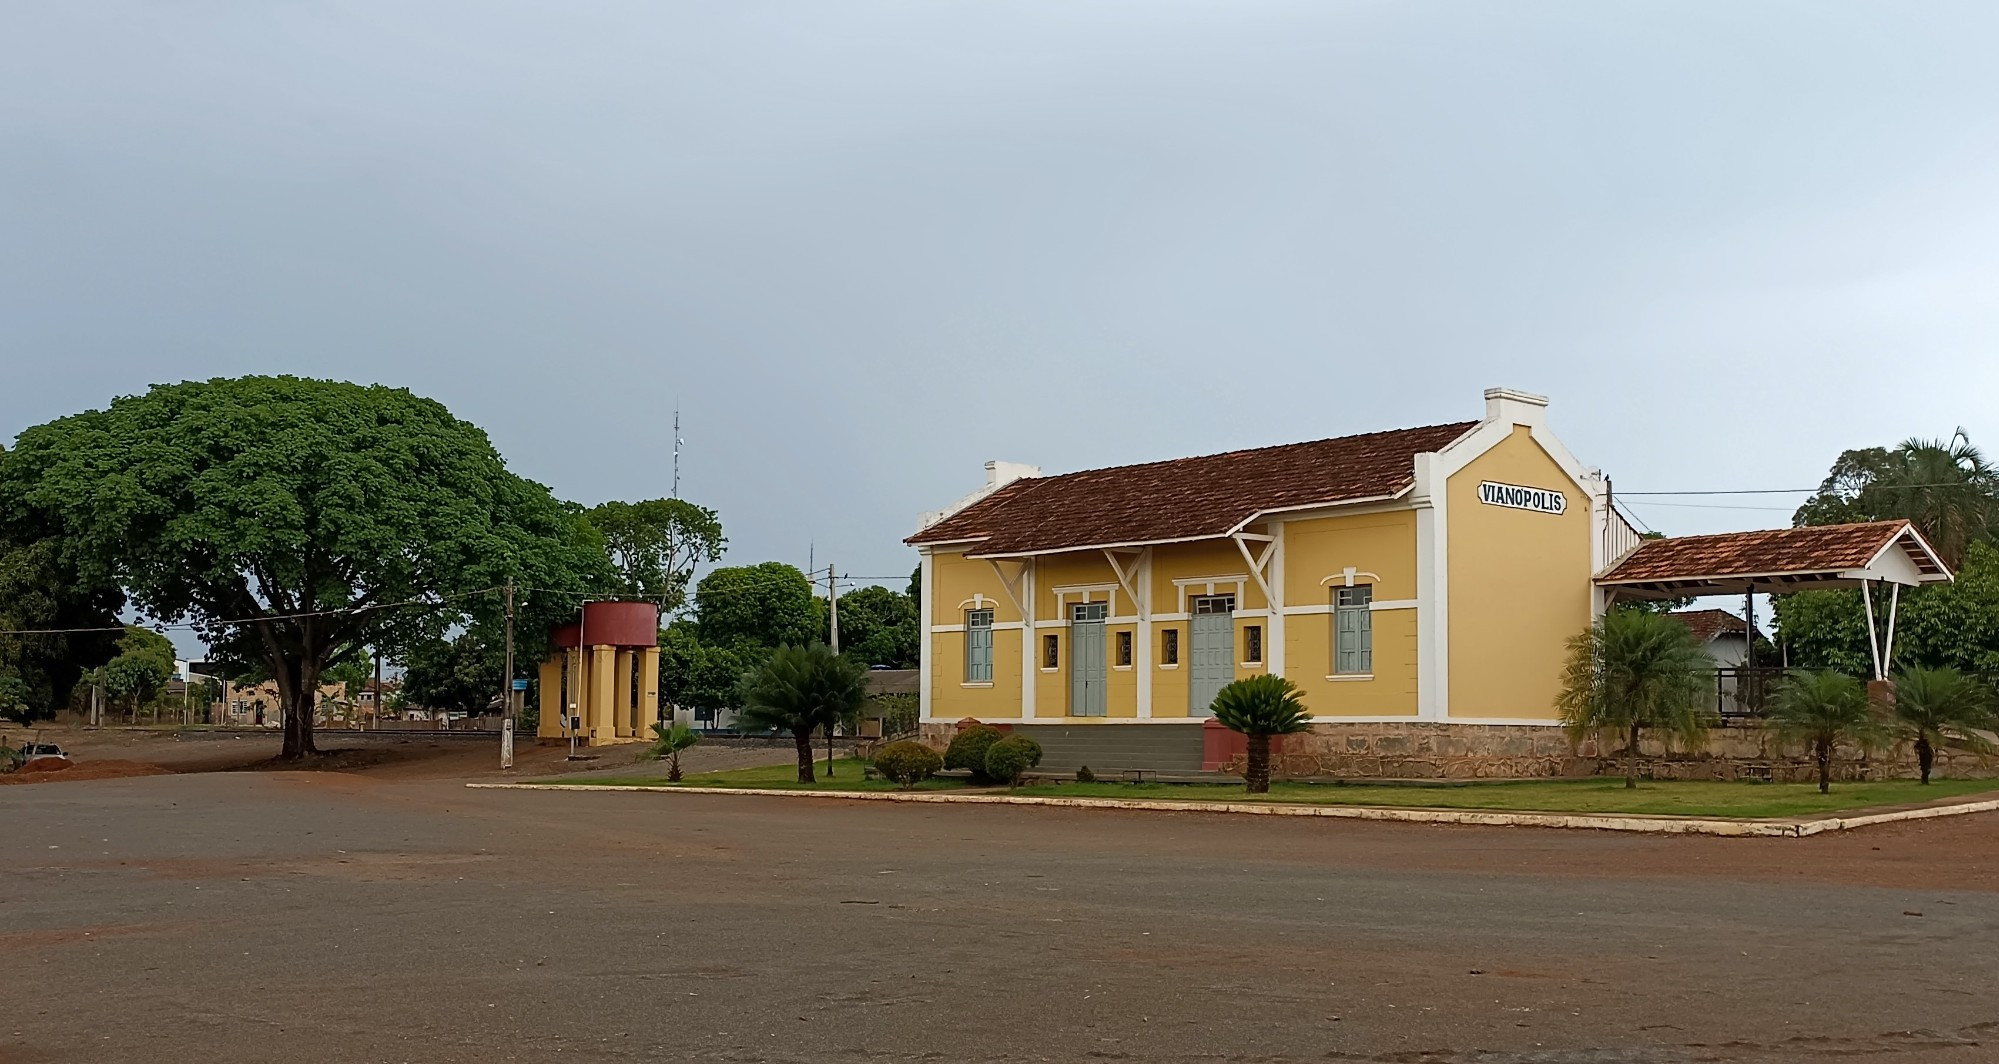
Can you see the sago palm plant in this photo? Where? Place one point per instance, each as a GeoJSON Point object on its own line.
{"type": "Point", "coordinates": [1259, 707]}
{"type": "Point", "coordinates": [1824, 709]}
{"type": "Point", "coordinates": [800, 690]}
{"type": "Point", "coordinates": [1634, 671]}
{"type": "Point", "coordinates": [1935, 708]}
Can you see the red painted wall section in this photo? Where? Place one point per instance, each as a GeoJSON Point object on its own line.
{"type": "Point", "coordinates": [1219, 745]}
{"type": "Point", "coordinates": [615, 624]}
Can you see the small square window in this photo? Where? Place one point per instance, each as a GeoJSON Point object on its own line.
{"type": "Point", "coordinates": [1252, 642]}
{"type": "Point", "coordinates": [1124, 648]}
{"type": "Point", "coordinates": [1169, 646]}
{"type": "Point", "coordinates": [1051, 654]}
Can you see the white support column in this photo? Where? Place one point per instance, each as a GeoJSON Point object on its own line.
{"type": "Point", "coordinates": [1141, 657]}
{"type": "Point", "coordinates": [1273, 628]}
{"type": "Point", "coordinates": [1873, 640]}
{"type": "Point", "coordinates": [926, 593]}
{"type": "Point", "coordinates": [1028, 608]}
{"type": "Point", "coordinates": [1888, 652]}
{"type": "Point", "coordinates": [1433, 614]}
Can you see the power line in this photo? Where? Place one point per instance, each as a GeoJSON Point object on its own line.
{"type": "Point", "coordinates": [1791, 491]}
{"type": "Point", "coordinates": [194, 625]}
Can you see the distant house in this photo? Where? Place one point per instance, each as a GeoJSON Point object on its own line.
{"type": "Point", "coordinates": [1722, 634]}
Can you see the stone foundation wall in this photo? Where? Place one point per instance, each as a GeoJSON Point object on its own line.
{"type": "Point", "coordinates": [1498, 751]}
{"type": "Point", "coordinates": [1492, 751]}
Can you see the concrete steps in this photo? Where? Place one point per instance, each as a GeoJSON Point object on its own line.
{"type": "Point", "coordinates": [1109, 748]}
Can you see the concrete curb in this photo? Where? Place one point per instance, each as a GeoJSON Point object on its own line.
{"type": "Point", "coordinates": [1600, 822]}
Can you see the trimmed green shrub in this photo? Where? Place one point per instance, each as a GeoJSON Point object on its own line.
{"type": "Point", "coordinates": [1011, 756]}
{"type": "Point", "coordinates": [908, 763]}
{"type": "Point", "coordinates": [1084, 775]}
{"type": "Point", "coordinates": [968, 749]}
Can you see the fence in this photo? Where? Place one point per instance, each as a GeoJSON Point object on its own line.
{"type": "Point", "coordinates": [1743, 694]}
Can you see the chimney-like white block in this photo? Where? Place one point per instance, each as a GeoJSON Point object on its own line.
{"type": "Point", "coordinates": [1512, 406]}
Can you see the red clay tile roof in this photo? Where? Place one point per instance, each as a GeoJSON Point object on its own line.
{"type": "Point", "coordinates": [1810, 549]}
{"type": "Point", "coordinates": [1706, 624]}
{"type": "Point", "coordinates": [1188, 498]}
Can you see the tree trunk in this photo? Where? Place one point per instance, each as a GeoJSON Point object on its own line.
{"type": "Point", "coordinates": [1256, 773]}
{"type": "Point", "coordinates": [803, 738]}
{"type": "Point", "coordinates": [1825, 766]}
{"type": "Point", "coordinates": [1926, 756]}
{"type": "Point", "coordinates": [1631, 761]}
{"type": "Point", "coordinates": [829, 751]}
{"type": "Point", "coordinates": [296, 687]}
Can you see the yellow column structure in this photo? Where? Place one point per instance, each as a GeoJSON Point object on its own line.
{"type": "Point", "coordinates": [621, 693]}
{"type": "Point", "coordinates": [603, 729]}
{"type": "Point", "coordinates": [550, 699]}
{"type": "Point", "coordinates": [648, 689]}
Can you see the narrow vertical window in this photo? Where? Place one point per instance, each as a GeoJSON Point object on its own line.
{"type": "Point", "coordinates": [978, 646]}
{"type": "Point", "coordinates": [1169, 646]}
{"type": "Point", "coordinates": [1353, 630]}
{"type": "Point", "coordinates": [1252, 643]}
{"type": "Point", "coordinates": [1050, 652]}
{"type": "Point", "coordinates": [1124, 648]}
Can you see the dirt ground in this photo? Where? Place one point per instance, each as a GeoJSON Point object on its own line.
{"type": "Point", "coordinates": [377, 915]}
{"type": "Point", "coordinates": [110, 753]}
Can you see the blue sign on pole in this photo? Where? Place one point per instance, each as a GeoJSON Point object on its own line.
{"type": "Point", "coordinates": [520, 685]}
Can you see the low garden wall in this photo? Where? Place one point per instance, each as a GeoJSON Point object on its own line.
{"type": "Point", "coordinates": [1498, 751]}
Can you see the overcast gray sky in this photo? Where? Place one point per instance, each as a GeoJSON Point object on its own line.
{"type": "Point", "coordinates": [865, 246]}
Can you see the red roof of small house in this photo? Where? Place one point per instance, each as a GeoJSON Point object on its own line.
{"type": "Point", "coordinates": [1188, 498]}
{"type": "Point", "coordinates": [1707, 624]}
{"type": "Point", "coordinates": [1777, 553]}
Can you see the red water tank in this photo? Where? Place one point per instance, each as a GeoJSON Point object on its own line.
{"type": "Point", "coordinates": [615, 624]}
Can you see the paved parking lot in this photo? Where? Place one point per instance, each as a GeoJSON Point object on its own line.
{"type": "Point", "coordinates": [330, 917]}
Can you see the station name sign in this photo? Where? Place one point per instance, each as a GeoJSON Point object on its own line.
{"type": "Point", "coordinates": [1540, 500]}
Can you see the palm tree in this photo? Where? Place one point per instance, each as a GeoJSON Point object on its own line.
{"type": "Point", "coordinates": [668, 742]}
{"type": "Point", "coordinates": [799, 690]}
{"type": "Point", "coordinates": [1631, 671]}
{"type": "Point", "coordinates": [1945, 488]}
{"type": "Point", "coordinates": [1259, 707]}
{"type": "Point", "coordinates": [1942, 707]}
{"type": "Point", "coordinates": [1824, 708]}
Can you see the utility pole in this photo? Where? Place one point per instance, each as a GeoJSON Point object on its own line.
{"type": "Point", "coordinates": [507, 688]}
{"type": "Point", "coordinates": [378, 687]}
{"type": "Point", "coordinates": [677, 441]}
{"type": "Point", "coordinates": [833, 631]}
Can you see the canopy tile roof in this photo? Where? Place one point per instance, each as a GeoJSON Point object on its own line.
{"type": "Point", "coordinates": [1781, 554]}
{"type": "Point", "coordinates": [1188, 498]}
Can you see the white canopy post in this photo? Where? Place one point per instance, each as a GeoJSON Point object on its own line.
{"type": "Point", "coordinates": [1888, 654]}
{"type": "Point", "coordinates": [1873, 640]}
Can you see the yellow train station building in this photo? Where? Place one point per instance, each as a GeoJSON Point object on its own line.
{"type": "Point", "coordinates": [1418, 585]}
{"type": "Point", "coordinates": [1428, 575]}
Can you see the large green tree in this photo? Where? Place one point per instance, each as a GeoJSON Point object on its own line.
{"type": "Point", "coordinates": [296, 522]}
{"type": "Point", "coordinates": [462, 674]}
{"type": "Point", "coordinates": [1944, 487]}
{"type": "Point", "coordinates": [144, 664]}
{"type": "Point", "coordinates": [75, 619]}
{"type": "Point", "coordinates": [878, 627]}
{"type": "Point", "coordinates": [769, 604]}
{"type": "Point", "coordinates": [656, 544]}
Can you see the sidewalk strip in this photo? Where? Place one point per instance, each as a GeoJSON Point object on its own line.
{"type": "Point", "coordinates": [1491, 818]}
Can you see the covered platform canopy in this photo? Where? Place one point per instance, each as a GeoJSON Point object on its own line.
{"type": "Point", "coordinates": [1884, 555]}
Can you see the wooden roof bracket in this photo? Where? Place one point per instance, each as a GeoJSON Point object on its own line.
{"type": "Point", "coordinates": [1141, 605]}
{"type": "Point", "coordinates": [1260, 561]}
{"type": "Point", "coordinates": [1012, 587]}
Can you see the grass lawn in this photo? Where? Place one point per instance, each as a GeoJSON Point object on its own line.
{"type": "Point", "coordinates": [848, 775]}
{"type": "Point", "coordinates": [1559, 796]}
{"type": "Point", "coordinates": [1548, 796]}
